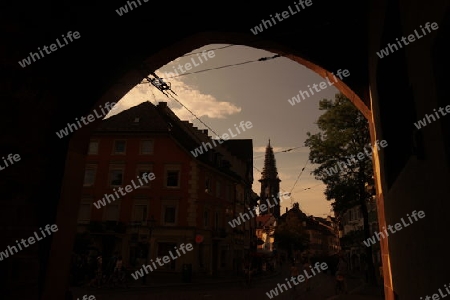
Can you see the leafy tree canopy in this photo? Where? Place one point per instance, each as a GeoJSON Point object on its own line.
{"type": "Point", "coordinates": [344, 132]}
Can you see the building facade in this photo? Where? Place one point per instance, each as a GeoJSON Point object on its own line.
{"type": "Point", "coordinates": [322, 234]}
{"type": "Point", "coordinates": [352, 235]}
{"type": "Point", "coordinates": [190, 200]}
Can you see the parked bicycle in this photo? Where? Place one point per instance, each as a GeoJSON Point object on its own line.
{"type": "Point", "coordinates": [118, 279]}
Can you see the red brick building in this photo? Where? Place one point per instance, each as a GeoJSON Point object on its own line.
{"type": "Point", "coordinates": [189, 197]}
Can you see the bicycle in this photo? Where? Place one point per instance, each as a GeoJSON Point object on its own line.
{"type": "Point", "coordinates": [118, 278]}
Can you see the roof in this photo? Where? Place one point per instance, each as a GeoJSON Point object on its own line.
{"type": "Point", "coordinates": [141, 118]}
{"type": "Point", "coordinates": [265, 219]}
{"type": "Point", "coordinates": [148, 118]}
{"type": "Point", "coordinates": [311, 222]}
{"type": "Point", "coordinates": [241, 148]}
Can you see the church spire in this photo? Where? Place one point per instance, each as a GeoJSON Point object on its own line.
{"type": "Point", "coordinates": [270, 168]}
{"type": "Point", "coordinates": [270, 183]}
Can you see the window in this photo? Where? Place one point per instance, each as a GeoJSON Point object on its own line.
{"type": "Point", "coordinates": [218, 189]}
{"type": "Point", "coordinates": [89, 175]}
{"type": "Point", "coordinates": [119, 147]}
{"type": "Point", "coordinates": [170, 214]}
{"type": "Point", "coordinates": [172, 176]}
{"type": "Point", "coordinates": [146, 147]}
{"type": "Point", "coordinates": [207, 185]}
{"type": "Point", "coordinates": [206, 219]}
{"type": "Point", "coordinates": [115, 177]}
{"type": "Point", "coordinates": [216, 220]}
{"type": "Point", "coordinates": [111, 212]}
{"type": "Point", "coordinates": [141, 170]}
{"type": "Point", "coordinates": [140, 212]}
{"type": "Point", "coordinates": [84, 213]}
{"type": "Point", "coordinates": [223, 257]}
{"type": "Point", "coordinates": [228, 193]}
{"type": "Point", "coordinates": [93, 147]}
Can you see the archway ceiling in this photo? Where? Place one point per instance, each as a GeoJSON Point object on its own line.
{"type": "Point", "coordinates": [329, 33]}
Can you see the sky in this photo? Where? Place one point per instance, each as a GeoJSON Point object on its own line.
{"type": "Point", "coordinates": [257, 92]}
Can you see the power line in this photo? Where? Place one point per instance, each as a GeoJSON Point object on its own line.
{"type": "Point", "coordinates": [261, 172]}
{"type": "Point", "coordinates": [298, 177]}
{"type": "Point", "coordinates": [192, 113]}
{"type": "Point", "coordinates": [287, 150]}
{"type": "Point", "coordinates": [309, 188]}
{"type": "Point", "coordinates": [192, 53]}
{"type": "Point", "coordinates": [195, 116]}
{"type": "Point", "coordinates": [222, 67]}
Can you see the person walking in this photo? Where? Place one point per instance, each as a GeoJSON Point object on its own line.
{"type": "Point", "coordinates": [98, 279]}
{"type": "Point", "coordinates": [119, 264]}
{"type": "Point", "coordinates": [294, 272]}
{"type": "Point", "coordinates": [307, 268]}
{"type": "Point", "coordinates": [342, 271]}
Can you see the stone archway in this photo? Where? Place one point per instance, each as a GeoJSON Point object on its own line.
{"type": "Point", "coordinates": [74, 170]}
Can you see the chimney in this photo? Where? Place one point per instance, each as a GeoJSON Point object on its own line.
{"type": "Point", "coordinates": [162, 104]}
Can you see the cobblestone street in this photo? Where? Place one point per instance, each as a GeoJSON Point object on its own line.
{"type": "Point", "coordinates": [322, 287]}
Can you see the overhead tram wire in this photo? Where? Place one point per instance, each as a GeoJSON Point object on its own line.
{"type": "Point", "coordinates": [309, 188]}
{"type": "Point", "coordinates": [195, 116]}
{"type": "Point", "coordinates": [179, 102]}
{"type": "Point", "coordinates": [222, 67]}
{"type": "Point", "coordinates": [206, 50]}
{"type": "Point", "coordinates": [298, 177]}
{"type": "Point", "coordinates": [247, 42]}
{"type": "Point", "coordinates": [261, 172]}
{"type": "Point", "coordinates": [287, 150]}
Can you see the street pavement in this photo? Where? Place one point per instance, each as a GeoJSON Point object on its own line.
{"type": "Point", "coordinates": [322, 288]}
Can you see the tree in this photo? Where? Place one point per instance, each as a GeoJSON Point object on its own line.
{"type": "Point", "coordinates": [289, 233]}
{"type": "Point", "coordinates": [344, 132]}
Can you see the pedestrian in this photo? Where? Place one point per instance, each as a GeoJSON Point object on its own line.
{"type": "Point", "coordinates": [294, 272]}
{"type": "Point", "coordinates": [342, 270]}
{"type": "Point", "coordinates": [98, 279]}
{"type": "Point", "coordinates": [112, 263]}
{"type": "Point", "coordinates": [119, 264]}
{"type": "Point", "coordinates": [307, 267]}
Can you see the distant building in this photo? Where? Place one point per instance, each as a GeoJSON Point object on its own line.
{"type": "Point", "coordinates": [323, 233]}
{"type": "Point", "coordinates": [265, 228]}
{"type": "Point", "coordinates": [352, 235]}
{"type": "Point", "coordinates": [191, 199]}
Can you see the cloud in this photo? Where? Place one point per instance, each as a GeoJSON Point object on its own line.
{"type": "Point", "coordinates": [200, 104]}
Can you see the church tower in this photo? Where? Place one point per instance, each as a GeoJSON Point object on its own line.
{"type": "Point", "coordinates": [270, 184]}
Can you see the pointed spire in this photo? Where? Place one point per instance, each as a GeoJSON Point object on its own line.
{"type": "Point", "coordinates": [270, 168]}
{"type": "Point", "coordinates": [270, 183]}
